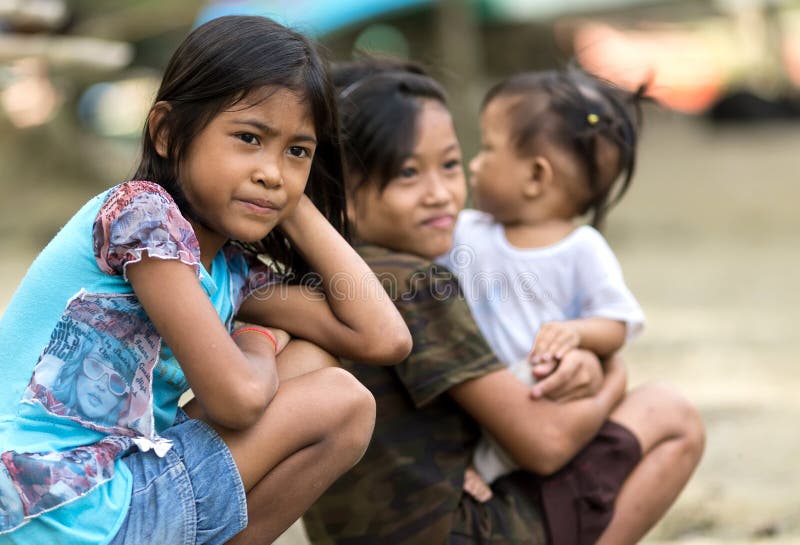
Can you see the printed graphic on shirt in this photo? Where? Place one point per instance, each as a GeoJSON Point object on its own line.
{"type": "Point", "coordinates": [95, 371]}
{"type": "Point", "coordinates": [97, 368]}
{"type": "Point", "coordinates": [11, 512]}
{"type": "Point", "coordinates": [139, 217]}
{"type": "Point", "coordinates": [249, 276]}
{"type": "Point", "coordinates": [46, 481]}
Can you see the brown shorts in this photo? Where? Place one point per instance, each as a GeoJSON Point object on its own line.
{"type": "Point", "coordinates": [571, 507]}
{"type": "Point", "coordinates": [578, 500]}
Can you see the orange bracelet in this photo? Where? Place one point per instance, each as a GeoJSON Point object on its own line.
{"type": "Point", "coordinates": [266, 332]}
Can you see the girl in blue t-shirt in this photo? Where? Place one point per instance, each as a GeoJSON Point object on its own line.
{"type": "Point", "coordinates": [133, 303]}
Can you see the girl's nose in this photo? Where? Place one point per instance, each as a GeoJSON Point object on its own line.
{"type": "Point", "coordinates": [268, 174]}
{"type": "Point", "coordinates": [437, 191]}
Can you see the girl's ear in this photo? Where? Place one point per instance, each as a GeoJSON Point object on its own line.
{"type": "Point", "coordinates": [541, 176]}
{"type": "Point", "coordinates": [351, 210]}
{"type": "Point", "coordinates": [158, 133]}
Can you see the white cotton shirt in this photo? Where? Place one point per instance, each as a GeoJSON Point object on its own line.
{"type": "Point", "coordinates": [513, 291]}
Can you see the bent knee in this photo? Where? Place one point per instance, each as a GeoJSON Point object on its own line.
{"type": "Point", "coordinates": [656, 412]}
{"type": "Point", "coordinates": [352, 410]}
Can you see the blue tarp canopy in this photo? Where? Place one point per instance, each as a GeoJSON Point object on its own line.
{"type": "Point", "coordinates": [313, 17]}
{"type": "Point", "coordinates": [320, 17]}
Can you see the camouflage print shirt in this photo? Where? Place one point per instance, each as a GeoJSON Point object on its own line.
{"type": "Point", "coordinates": [407, 489]}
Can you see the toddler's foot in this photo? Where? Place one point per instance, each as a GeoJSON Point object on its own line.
{"type": "Point", "coordinates": [475, 486]}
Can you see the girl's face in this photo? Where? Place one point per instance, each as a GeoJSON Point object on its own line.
{"type": "Point", "coordinates": [498, 173]}
{"type": "Point", "coordinates": [416, 212]}
{"type": "Point", "coordinates": [247, 169]}
{"type": "Point", "coordinates": [99, 388]}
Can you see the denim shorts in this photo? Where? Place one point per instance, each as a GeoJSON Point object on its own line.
{"type": "Point", "coordinates": [192, 496]}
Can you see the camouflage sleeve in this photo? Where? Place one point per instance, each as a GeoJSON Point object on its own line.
{"type": "Point", "coordinates": [448, 346]}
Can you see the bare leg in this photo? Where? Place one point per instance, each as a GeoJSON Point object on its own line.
{"type": "Point", "coordinates": [672, 437]}
{"type": "Point", "coordinates": [316, 428]}
{"type": "Point", "coordinates": [301, 357]}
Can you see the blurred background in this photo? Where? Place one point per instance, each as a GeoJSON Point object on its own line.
{"type": "Point", "coordinates": [707, 235]}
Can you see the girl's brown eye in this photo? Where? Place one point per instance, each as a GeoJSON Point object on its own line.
{"type": "Point", "coordinates": [248, 138]}
{"type": "Point", "coordinates": [299, 152]}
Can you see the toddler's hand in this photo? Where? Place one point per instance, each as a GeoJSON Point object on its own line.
{"type": "Point", "coordinates": [475, 486]}
{"type": "Point", "coordinates": [578, 374]}
{"type": "Point", "coordinates": [553, 341]}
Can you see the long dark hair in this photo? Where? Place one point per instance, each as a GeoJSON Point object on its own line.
{"type": "Point", "coordinates": [216, 66]}
{"type": "Point", "coordinates": [379, 100]}
{"type": "Point", "coordinates": [573, 110]}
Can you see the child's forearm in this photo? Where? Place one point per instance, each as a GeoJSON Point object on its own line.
{"type": "Point", "coordinates": [260, 353]}
{"type": "Point", "coordinates": [373, 328]}
{"type": "Point", "coordinates": [603, 336]}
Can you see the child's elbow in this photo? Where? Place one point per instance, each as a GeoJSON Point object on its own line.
{"type": "Point", "coordinates": [247, 407]}
{"type": "Point", "coordinates": [551, 454]}
{"type": "Point", "coordinates": [546, 464]}
{"type": "Point", "coordinates": [394, 347]}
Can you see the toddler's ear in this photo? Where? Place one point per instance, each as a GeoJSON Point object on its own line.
{"type": "Point", "coordinates": [158, 132]}
{"type": "Point", "coordinates": [541, 176]}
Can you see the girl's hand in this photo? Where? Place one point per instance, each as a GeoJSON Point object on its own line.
{"type": "Point", "coordinates": [282, 338]}
{"type": "Point", "coordinates": [577, 375]}
{"type": "Point", "coordinates": [553, 341]}
{"type": "Point", "coordinates": [475, 486]}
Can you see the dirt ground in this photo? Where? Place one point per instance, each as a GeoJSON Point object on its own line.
{"type": "Point", "coordinates": [708, 239]}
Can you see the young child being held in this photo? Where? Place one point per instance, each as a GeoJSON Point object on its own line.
{"type": "Point", "coordinates": [132, 303]}
{"type": "Point", "coordinates": [555, 146]}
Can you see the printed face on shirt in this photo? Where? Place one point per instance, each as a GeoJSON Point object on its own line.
{"type": "Point", "coordinates": [247, 169]}
{"type": "Point", "coordinates": [97, 367]}
{"type": "Point", "coordinates": [497, 172]}
{"type": "Point", "coordinates": [100, 390]}
{"type": "Point", "coordinates": [416, 211]}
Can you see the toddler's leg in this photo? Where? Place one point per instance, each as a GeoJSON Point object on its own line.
{"type": "Point", "coordinates": [316, 428]}
{"type": "Point", "coordinates": [671, 434]}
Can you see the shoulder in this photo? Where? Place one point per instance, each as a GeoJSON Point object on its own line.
{"type": "Point", "coordinates": [406, 276]}
{"type": "Point", "coordinates": [588, 241]}
{"type": "Point", "coordinates": [140, 216]}
{"type": "Point", "coordinates": [139, 192]}
{"type": "Point", "coordinates": [589, 234]}
{"type": "Point", "coordinates": [594, 254]}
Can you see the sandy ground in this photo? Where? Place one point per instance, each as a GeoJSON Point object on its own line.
{"type": "Point", "coordinates": [708, 241]}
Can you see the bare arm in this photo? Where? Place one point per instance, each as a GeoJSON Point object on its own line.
{"type": "Point", "coordinates": [603, 336]}
{"type": "Point", "coordinates": [540, 435]}
{"type": "Point", "coordinates": [353, 317]}
{"type": "Point", "coordinates": [232, 381]}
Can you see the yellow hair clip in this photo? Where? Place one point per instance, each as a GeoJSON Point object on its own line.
{"type": "Point", "coordinates": [592, 119]}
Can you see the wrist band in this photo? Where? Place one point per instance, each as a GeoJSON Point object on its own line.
{"type": "Point", "coordinates": [266, 332]}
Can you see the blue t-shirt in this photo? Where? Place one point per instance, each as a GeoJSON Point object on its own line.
{"type": "Point", "coordinates": [86, 378]}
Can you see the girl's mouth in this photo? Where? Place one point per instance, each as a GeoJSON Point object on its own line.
{"type": "Point", "coordinates": [260, 206]}
{"type": "Point", "coordinates": [444, 222]}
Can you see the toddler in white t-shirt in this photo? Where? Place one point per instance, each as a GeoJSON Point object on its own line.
{"type": "Point", "coordinates": [555, 146]}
